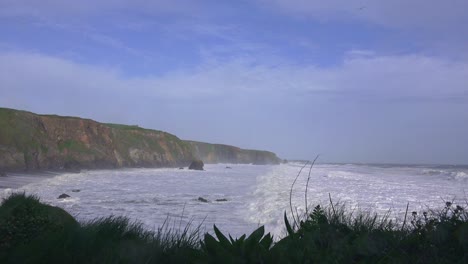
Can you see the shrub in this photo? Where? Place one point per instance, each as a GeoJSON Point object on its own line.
{"type": "Point", "coordinates": [30, 229]}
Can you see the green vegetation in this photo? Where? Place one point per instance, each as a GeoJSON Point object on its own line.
{"type": "Point", "coordinates": [219, 153]}
{"type": "Point", "coordinates": [16, 130]}
{"type": "Point", "coordinates": [335, 236]}
{"type": "Point", "coordinates": [124, 127]}
{"type": "Point", "coordinates": [127, 138]}
{"type": "Point", "coordinates": [44, 149]}
{"type": "Point", "coordinates": [31, 232]}
{"type": "Point", "coordinates": [72, 145]}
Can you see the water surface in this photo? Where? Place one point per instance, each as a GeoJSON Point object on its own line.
{"type": "Point", "coordinates": [256, 195]}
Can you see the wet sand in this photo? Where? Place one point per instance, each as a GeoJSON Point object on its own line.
{"type": "Point", "coordinates": [17, 180]}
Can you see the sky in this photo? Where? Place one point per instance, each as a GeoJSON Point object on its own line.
{"type": "Point", "coordinates": [354, 81]}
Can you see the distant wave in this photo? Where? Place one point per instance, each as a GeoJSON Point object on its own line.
{"type": "Point", "coordinates": [450, 174]}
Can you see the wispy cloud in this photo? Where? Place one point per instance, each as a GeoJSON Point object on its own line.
{"type": "Point", "coordinates": [371, 75]}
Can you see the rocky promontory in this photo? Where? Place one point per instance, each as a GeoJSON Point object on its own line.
{"type": "Point", "coordinates": [30, 141]}
{"type": "Point", "coordinates": [219, 153]}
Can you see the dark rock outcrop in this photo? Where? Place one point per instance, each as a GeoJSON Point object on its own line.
{"type": "Point", "coordinates": [76, 190]}
{"type": "Point", "coordinates": [3, 174]}
{"type": "Point", "coordinates": [63, 196]}
{"type": "Point", "coordinates": [221, 200]}
{"type": "Point", "coordinates": [196, 165]}
{"type": "Point", "coordinates": [203, 200]}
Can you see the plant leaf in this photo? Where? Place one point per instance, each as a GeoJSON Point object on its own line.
{"type": "Point", "coordinates": [257, 234]}
{"type": "Point", "coordinates": [288, 226]}
{"type": "Point", "coordinates": [224, 242]}
{"type": "Point", "coordinates": [266, 241]}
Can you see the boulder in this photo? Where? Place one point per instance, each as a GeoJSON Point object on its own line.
{"type": "Point", "coordinates": [227, 167]}
{"type": "Point", "coordinates": [221, 200]}
{"type": "Point", "coordinates": [181, 168]}
{"type": "Point", "coordinates": [63, 196]}
{"type": "Point", "coordinates": [196, 165]}
{"type": "Point", "coordinates": [76, 190]}
{"type": "Point", "coordinates": [203, 200]}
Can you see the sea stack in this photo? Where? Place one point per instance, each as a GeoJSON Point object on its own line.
{"type": "Point", "coordinates": [196, 165]}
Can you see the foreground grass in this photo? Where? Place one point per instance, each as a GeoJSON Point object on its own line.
{"type": "Point", "coordinates": [32, 232]}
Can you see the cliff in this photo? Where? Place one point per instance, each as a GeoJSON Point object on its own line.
{"type": "Point", "coordinates": [30, 141]}
{"type": "Point", "coordinates": [219, 153]}
{"type": "Point", "coordinates": [33, 142]}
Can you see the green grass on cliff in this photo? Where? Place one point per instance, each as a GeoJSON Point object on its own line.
{"type": "Point", "coordinates": [9, 130]}
{"type": "Point", "coordinates": [127, 138]}
{"type": "Point", "coordinates": [18, 130]}
{"type": "Point", "coordinates": [32, 232]}
{"type": "Point", "coordinates": [126, 127]}
{"type": "Point", "coordinates": [133, 136]}
{"type": "Point", "coordinates": [73, 145]}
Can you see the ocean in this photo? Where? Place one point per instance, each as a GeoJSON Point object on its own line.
{"type": "Point", "coordinates": [242, 197]}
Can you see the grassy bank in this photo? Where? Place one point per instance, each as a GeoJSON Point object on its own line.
{"type": "Point", "coordinates": [33, 232]}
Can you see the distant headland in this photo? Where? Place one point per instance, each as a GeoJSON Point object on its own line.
{"type": "Point", "coordinates": [31, 142]}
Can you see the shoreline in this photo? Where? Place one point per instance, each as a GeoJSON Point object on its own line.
{"type": "Point", "coordinates": [19, 178]}
{"type": "Point", "coordinates": [15, 180]}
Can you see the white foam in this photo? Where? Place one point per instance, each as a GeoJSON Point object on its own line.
{"type": "Point", "coordinates": [257, 195]}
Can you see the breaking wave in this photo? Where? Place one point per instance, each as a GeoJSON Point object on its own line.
{"type": "Point", "coordinates": [240, 199]}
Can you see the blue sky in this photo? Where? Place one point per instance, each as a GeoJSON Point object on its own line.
{"type": "Point", "coordinates": [356, 81]}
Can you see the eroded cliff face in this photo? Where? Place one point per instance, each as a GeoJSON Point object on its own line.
{"type": "Point", "coordinates": [40, 142]}
{"type": "Point", "coordinates": [34, 142]}
{"type": "Point", "coordinates": [219, 153]}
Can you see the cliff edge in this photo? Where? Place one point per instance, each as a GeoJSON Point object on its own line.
{"type": "Point", "coordinates": [35, 142]}
{"type": "Point", "coordinates": [219, 153]}
{"type": "Point", "coordinates": [30, 141]}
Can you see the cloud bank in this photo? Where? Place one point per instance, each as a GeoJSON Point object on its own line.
{"type": "Point", "coordinates": [352, 106]}
{"type": "Point", "coordinates": [387, 77]}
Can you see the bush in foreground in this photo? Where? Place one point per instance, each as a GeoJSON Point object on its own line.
{"type": "Point", "coordinates": [333, 236]}
{"type": "Point", "coordinates": [32, 232]}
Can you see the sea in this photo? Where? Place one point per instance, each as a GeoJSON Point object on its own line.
{"type": "Point", "coordinates": [240, 198]}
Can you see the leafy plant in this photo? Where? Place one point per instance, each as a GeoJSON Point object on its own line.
{"type": "Point", "coordinates": [252, 249]}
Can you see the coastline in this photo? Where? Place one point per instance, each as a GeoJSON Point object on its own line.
{"type": "Point", "coordinates": [15, 180]}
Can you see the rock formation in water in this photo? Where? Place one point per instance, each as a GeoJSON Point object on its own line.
{"type": "Point", "coordinates": [30, 141]}
{"type": "Point", "coordinates": [63, 196]}
{"type": "Point", "coordinates": [196, 165]}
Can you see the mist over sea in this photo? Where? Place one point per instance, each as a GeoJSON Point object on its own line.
{"type": "Point", "coordinates": [255, 195]}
